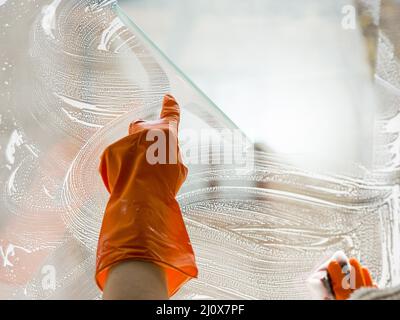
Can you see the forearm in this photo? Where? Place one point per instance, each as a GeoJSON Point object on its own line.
{"type": "Point", "coordinates": [136, 280]}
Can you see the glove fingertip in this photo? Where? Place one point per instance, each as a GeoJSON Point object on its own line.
{"type": "Point", "coordinates": [134, 126]}
{"type": "Point", "coordinates": [170, 109]}
{"type": "Point", "coordinates": [368, 278]}
{"type": "Point", "coordinates": [359, 274]}
{"type": "Point", "coordinates": [356, 265]}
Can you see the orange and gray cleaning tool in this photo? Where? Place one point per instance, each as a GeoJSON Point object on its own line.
{"type": "Point", "coordinates": [143, 220]}
{"type": "Point", "coordinates": [338, 278]}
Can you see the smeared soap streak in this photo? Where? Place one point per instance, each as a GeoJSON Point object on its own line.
{"type": "Point", "coordinates": [63, 89]}
{"type": "Point", "coordinates": [388, 84]}
{"type": "Point", "coordinates": [85, 50]}
{"type": "Point", "coordinates": [273, 236]}
{"type": "Point", "coordinates": [257, 234]}
{"type": "Point", "coordinates": [9, 252]}
{"type": "Point", "coordinates": [388, 123]}
{"type": "Point", "coordinates": [14, 142]}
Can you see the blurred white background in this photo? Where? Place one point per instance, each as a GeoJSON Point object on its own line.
{"type": "Point", "coordinates": [286, 72]}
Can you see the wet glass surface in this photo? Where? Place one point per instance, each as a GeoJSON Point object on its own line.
{"type": "Point", "coordinates": [75, 73]}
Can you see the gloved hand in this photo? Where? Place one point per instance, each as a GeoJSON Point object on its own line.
{"type": "Point", "coordinates": [337, 278]}
{"type": "Point", "coordinates": [143, 173]}
{"type": "Point", "coordinates": [346, 278]}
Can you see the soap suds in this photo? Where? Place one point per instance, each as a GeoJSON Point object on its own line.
{"type": "Point", "coordinates": [82, 73]}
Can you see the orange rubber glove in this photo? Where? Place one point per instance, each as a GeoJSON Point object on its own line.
{"type": "Point", "coordinates": [143, 220]}
{"type": "Point", "coordinates": [345, 280]}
